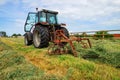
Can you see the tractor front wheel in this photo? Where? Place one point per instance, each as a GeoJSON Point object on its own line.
{"type": "Point", "coordinates": [27, 41]}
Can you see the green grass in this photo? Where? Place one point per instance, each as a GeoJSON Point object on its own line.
{"type": "Point", "coordinates": [103, 51]}
{"type": "Point", "coordinates": [14, 65]}
{"type": "Point", "coordinates": [21, 62]}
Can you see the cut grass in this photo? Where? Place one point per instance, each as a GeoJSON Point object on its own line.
{"type": "Point", "coordinates": [103, 51]}
{"type": "Point", "coordinates": [55, 67]}
{"type": "Point", "coordinates": [14, 66]}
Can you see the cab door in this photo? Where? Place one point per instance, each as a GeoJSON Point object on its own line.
{"type": "Point", "coordinates": [32, 18]}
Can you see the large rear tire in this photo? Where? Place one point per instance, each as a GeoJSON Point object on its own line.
{"type": "Point", "coordinates": [66, 33]}
{"type": "Point", "coordinates": [40, 37]}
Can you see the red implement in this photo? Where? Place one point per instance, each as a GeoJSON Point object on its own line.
{"type": "Point", "coordinates": [59, 48]}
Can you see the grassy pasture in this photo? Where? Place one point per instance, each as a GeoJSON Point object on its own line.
{"type": "Point", "coordinates": [21, 62]}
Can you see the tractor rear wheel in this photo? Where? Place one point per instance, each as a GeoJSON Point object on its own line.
{"type": "Point", "coordinates": [40, 37]}
{"type": "Point", "coordinates": [26, 39]}
{"type": "Point", "coordinates": [65, 31]}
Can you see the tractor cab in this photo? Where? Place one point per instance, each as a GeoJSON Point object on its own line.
{"type": "Point", "coordinates": [48, 16]}
{"type": "Point", "coordinates": [44, 17]}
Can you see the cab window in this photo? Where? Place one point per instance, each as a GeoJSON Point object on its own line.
{"type": "Point", "coordinates": [31, 20]}
{"type": "Point", "coordinates": [51, 18]}
{"type": "Point", "coordinates": [42, 17]}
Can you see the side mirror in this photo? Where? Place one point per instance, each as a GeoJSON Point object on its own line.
{"type": "Point", "coordinates": [26, 23]}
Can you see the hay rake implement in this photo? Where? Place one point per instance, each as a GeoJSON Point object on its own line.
{"type": "Point", "coordinates": [58, 46]}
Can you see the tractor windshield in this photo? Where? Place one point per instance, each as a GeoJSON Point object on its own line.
{"type": "Point", "coordinates": [51, 18]}
{"type": "Point", "coordinates": [48, 17]}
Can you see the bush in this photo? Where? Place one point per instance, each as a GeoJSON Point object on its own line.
{"type": "Point", "coordinates": [103, 34]}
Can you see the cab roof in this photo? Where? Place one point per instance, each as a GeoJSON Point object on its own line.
{"type": "Point", "coordinates": [49, 11]}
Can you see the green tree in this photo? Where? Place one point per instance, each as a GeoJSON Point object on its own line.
{"type": "Point", "coordinates": [14, 35]}
{"type": "Point", "coordinates": [3, 33]}
{"type": "Point", "coordinates": [18, 34]}
{"type": "Point", "coordinates": [103, 34]}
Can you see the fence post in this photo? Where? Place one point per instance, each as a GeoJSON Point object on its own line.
{"type": "Point", "coordinates": [103, 36]}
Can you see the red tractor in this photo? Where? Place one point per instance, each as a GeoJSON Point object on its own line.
{"type": "Point", "coordinates": [40, 27]}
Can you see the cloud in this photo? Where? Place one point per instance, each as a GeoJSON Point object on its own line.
{"type": "Point", "coordinates": [15, 26]}
{"type": "Point", "coordinates": [111, 22]}
{"type": "Point", "coordinates": [3, 2]}
{"type": "Point", "coordinates": [78, 9]}
{"type": "Point", "coordinates": [99, 12]}
{"type": "Point", "coordinates": [80, 15]}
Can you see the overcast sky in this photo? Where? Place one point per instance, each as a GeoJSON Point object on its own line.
{"type": "Point", "coordinates": [79, 15]}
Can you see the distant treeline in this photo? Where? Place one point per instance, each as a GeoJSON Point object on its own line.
{"type": "Point", "coordinates": [3, 34]}
{"type": "Point", "coordinates": [15, 35]}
